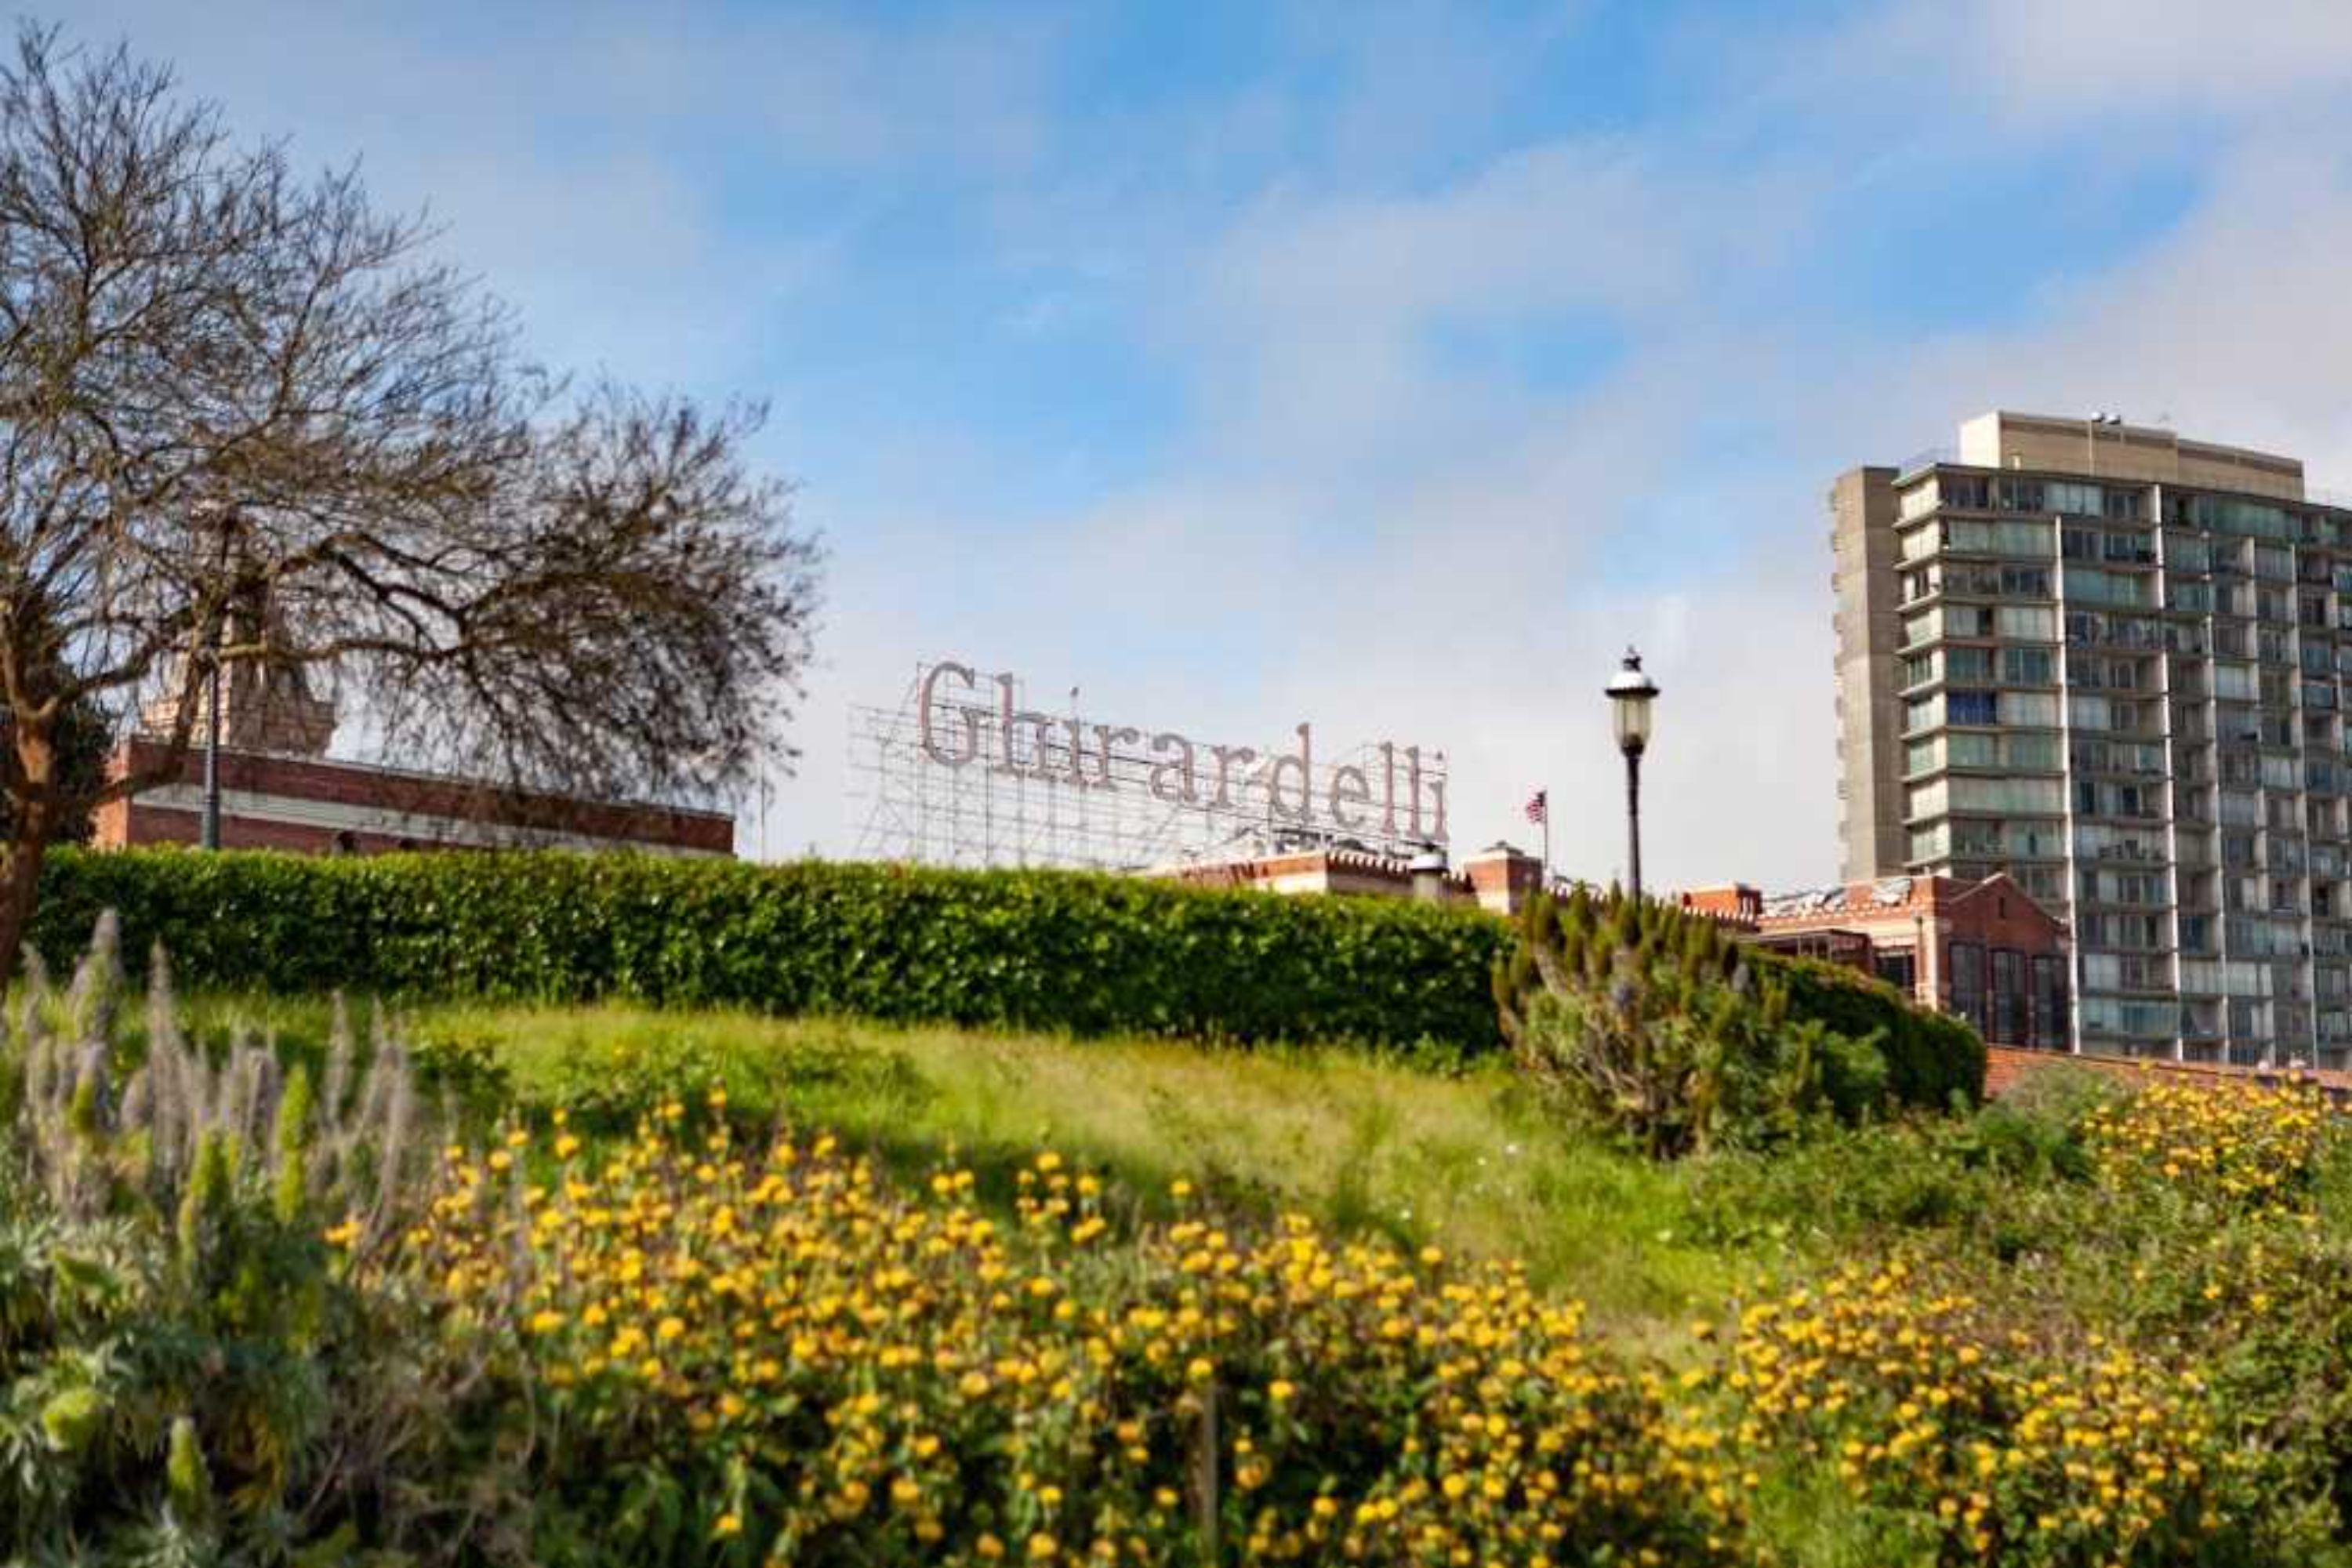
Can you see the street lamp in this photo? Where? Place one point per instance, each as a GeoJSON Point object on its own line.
{"type": "Point", "coordinates": [1630, 695]}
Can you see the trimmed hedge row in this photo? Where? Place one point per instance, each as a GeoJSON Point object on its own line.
{"type": "Point", "coordinates": [1929, 1058]}
{"type": "Point", "coordinates": [1030, 949]}
{"type": "Point", "coordinates": [1033, 950]}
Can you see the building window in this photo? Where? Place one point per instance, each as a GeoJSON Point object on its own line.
{"type": "Point", "coordinates": [1900, 970]}
{"type": "Point", "coordinates": [2019, 495]}
{"type": "Point", "coordinates": [1970, 708]}
{"type": "Point", "coordinates": [1968, 983]}
{"type": "Point", "coordinates": [1973, 664]}
{"type": "Point", "coordinates": [2049, 1021]}
{"type": "Point", "coordinates": [2009, 999]}
{"type": "Point", "coordinates": [2027, 667]}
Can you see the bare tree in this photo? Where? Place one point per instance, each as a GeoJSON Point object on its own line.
{"type": "Point", "coordinates": [247, 422]}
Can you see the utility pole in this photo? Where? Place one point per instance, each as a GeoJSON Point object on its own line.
{"type": "Point", "coordinates": [212, 753]}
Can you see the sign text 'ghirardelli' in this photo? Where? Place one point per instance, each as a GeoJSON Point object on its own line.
{"type": "Point", "coordinates": [1393, 794]}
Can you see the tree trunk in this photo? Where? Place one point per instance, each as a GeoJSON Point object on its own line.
{"type": "Point", "coordinates": [20, 886]}
{"type": "Point", "coordinates": [20, 877]}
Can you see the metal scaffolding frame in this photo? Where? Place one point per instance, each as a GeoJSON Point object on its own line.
{"type": "Point", "coordinates": [1078, 794]}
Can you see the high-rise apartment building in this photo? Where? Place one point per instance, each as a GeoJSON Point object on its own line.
{"type": "Point", "coordinates": [2110, 662]}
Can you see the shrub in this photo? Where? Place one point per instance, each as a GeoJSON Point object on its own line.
{"type": "Point", "coordinates": [1574, 944]}
{"type": "Point", "coordinates": [186, 1374]}
{"type": "Point", "coordinates": [2227, 1146]}
{"type": "Point", "coordinates": [1032, 950]}
{"type": "Point", "coordinates": [1663, 1029]}
{"type": "Point", "coordinates": [1842, 1190]}
{"type": "Point", "coordinates": [1984, 1447]}
{"type": "Point", "coordinates": [1676, 1066]}
{"type": "Point", "coordinates": [1930, 1058]}
{"type": "Point", "coordinates": [768, 1356]}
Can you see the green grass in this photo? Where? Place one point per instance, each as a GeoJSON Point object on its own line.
{"type": "Point", "coordinates": [1463, 1161]}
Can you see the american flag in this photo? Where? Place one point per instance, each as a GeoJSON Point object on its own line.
{"type": "Point", "coordinates": [1538, 806]}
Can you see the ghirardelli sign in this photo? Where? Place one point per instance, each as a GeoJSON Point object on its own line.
{"type": "Point", "coordinates": [1386, 797]}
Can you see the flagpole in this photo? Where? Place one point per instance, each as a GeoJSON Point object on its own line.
{"type": "Point", "coordinates": [1547, 845]}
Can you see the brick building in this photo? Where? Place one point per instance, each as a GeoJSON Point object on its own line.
{"type": "Point", "coordinates": [1982, 951]}
{"type": "Point", "coordinates": [312, 806]}
{"type": "Point", "coordinates": [281, 791]}
{"type": "Point", "coordinates": [1500, 877]}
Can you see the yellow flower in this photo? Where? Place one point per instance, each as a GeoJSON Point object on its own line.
{"type": "Point", "coordinates": [728, 1524]}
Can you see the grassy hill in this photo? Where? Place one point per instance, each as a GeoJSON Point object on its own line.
{"type": "Point", "coordinates": [1371, 1145]}
{"type": "Point", "coordinates": [1377, 1290]}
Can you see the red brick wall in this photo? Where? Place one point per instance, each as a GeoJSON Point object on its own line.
{"type": "Point", "coordinates": [166, 825]}
{"type": "Point", "coordinates": [1738, 903]}
{"type": "Point", "coordinates": [2005, 1068]}
{"type": "Point", "coordinates": [1504, 882]}
{"type": "Point", "coordinates": [1999, 916]}
{"type": "Point", "coordinates": [347, 784]}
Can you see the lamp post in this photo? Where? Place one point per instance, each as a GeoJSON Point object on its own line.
{"type": "Point", "coordinates": [1630, 693]}
{"type": "Point", "coordinates": [212, 819]}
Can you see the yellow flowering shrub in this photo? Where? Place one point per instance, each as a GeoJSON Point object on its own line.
{"type": "Point", "coordinates": [1995, 1451]}
{"type": "Point", "coordinates": [767, 1354]}
{"type": "Point", "coordinates": [2251, 1147]}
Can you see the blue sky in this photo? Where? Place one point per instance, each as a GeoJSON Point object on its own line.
{"type": "Point", "coordinates": [1385, 366]}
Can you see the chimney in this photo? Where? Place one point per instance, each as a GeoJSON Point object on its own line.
{"type": "Point", "coordinates": [1428, 871]}
{"type": "Point", "coordinates": [1504, 877]}
{"type": "Point", "coordinates": [1734, 903]}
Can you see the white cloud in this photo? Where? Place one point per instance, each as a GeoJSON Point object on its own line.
{"type": "Point", "coordinates": [2232, 327]}
{"type": "Point", "coordinates": [2156, 57]}
{"type": "Point", "coordinates": [2043, 66]}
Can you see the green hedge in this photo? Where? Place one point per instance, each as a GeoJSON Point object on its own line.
{"type": "Point", "coordinates": [1929, 1058]}
{"type": "Point", "coordinates": [1035, 950]}
{"type": "Point", "coordinates": [1583, 941]}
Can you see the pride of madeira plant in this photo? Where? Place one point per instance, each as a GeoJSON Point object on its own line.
{"type": "Point", "coordinates": [184, 1366]}
{"type": "Point", "coordinates": [1653, 1025]}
